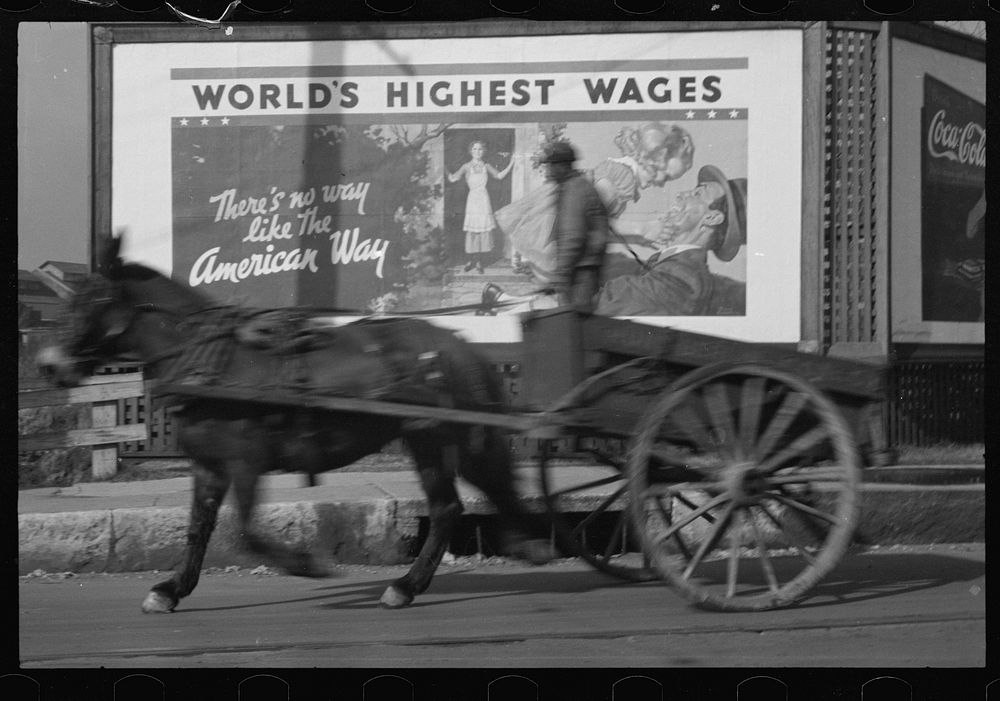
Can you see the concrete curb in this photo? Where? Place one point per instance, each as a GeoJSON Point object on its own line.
{"type": "Point", "coordinates": [912, 515]}
{"type": "Point", "coordinates": [132, 540]}
{"type": "Point", "coordinates": [380, 529]}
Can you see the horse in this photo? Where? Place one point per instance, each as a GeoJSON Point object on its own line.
{"type": "Point", "coordinates": [130, 310]}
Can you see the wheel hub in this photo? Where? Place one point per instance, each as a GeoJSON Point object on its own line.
{"type": "Point", "coordinates": [742, 483]}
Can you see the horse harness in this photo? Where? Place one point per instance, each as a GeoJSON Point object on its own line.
{"type": "Point", "coordinates": [283, 340]}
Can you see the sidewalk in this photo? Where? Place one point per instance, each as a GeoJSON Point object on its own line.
{"type": "Point", "coordinates": [374, 517]}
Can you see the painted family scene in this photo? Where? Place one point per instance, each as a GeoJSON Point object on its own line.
{"type": "Point", "coordinates": [677, 224]}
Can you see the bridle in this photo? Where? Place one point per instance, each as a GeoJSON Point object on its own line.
{"type": "Point", "coordinates": [100, 348]}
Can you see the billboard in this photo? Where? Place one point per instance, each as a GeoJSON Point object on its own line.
{"type": "Point", "coordinates": [402, 175]}
{"type": "Point", "coordinates": [939, 161]}
{"type": "Point", "coordinates": [952, 204]}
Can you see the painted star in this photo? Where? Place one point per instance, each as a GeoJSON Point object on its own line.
{"type": "Point", "coordinates": [184, 121]}
{"type": "Point", "coordinates": [733, 114]}
{"type": "Point", "coordinates": [204, 121]}
{"type": "Point", "coordinates": [225, 120]}
{"type": "Point", "coordinates": [711, 114]}
{"type": "Point", "coordinates": [689, 114]}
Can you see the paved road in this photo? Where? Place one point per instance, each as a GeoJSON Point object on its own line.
{"type": "Point", "coordinates": [894, 607]}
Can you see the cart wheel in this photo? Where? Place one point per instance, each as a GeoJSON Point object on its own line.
{"type": "Point", "coordinates": [605, 484]}
{"type": "Point", "coordinates": [743, 483]}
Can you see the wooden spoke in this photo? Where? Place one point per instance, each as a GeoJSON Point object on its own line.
{"type": "Point", "coordinates": [751, 401]}
{"type": "Point", "coordinates": [717, 531]}
{"type": "Point", "coordinates": [685, 550]}
{"type": "Point", "coordinates": [601, 508]}
{"type": "Point", "coordinates": [817, 528]}
{"type": "Point", "coordinates": [668, 519]}
{"type": "Point", "coordinates": [664, 512]}
{"type": "Point", "coordinates": [791, 539]}
{"type": "Point", "coordinates": [735, 541]}
{"type": "Point", "coordinates": [690, 423]}
{"type": "Point", "coordinates": [790, 407]}
{"type": "Point", "coordinates": [700, 512]}
{"type": "Point", "coordinates": [799, 446]}
{"type": "Point", "coordinates": [721, 414]}
{"type": "Point", "coordinates": [688, 503]}
{"type": "Point", "coordinates": [806, 509]}
{"type": "Point", "coordinates": [765, 561]}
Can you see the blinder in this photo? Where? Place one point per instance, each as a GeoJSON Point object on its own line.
{"type": "Point", "coordinates": [116, 318]}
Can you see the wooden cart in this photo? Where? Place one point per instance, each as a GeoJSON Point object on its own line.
{"type": "Point", "coordinates": [735, 466]}
{"type": "Point", "coordinates": [732, 467]}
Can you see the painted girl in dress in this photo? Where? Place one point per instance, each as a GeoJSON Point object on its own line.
{"type": "Point", "coordinates": [652, 155]}
{"type": "Point", "coordinates": [479, 220]}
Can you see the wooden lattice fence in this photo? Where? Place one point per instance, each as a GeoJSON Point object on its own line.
{"type": "Point", "coordinates": [851, 246]}
{"type": "Point", "coordinates": [936, 402]}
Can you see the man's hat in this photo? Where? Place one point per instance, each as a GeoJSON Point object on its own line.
{"type": "Point", "coordinates": [558, 152]}
{"type": "Point", "coordinates": [734, 230]}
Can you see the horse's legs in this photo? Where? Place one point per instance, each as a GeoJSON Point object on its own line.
{"type": "Point", "coordinates": [245, 476]}
{"type": "Point", "coordinates": [487, 465]}
{"type": "Point", "coordinates": [444, 508]}
{"type": "Point", "coordinates": [210, 485]}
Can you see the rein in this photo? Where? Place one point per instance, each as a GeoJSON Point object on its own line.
{"type": "Point", "coordinates": [240, 313]}
{"type": "Point", "coordinates": [443, 311]}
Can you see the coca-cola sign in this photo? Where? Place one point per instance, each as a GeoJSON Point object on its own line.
{"type": "Point", "coordinates": [954, 141]}
{"type": "Point", "coordinates": [953, 205]}
{"type": "Point", "coordinates": [962, 143]}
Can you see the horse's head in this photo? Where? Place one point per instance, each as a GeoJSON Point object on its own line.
{"type": "Point", "coordinates": [103, 314]}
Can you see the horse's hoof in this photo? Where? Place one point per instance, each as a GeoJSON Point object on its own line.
{"type": "Point", "coordinates": [535, 551]}
{"type": "Point", "coordinates": [155, 602]}
{"type": "Point", "coordinates": [394, 598]}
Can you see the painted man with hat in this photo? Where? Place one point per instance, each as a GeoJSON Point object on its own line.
{"type": "Point", "coordinates": [580, 231]}
{"type": "Point", "coordinates": [676, 281]}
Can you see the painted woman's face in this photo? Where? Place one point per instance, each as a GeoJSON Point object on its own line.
{"type": "Point", "coordinates": [658, 172]}
{"type": "Point", "coordinates": [476, 151]}
{"type": "Point", "coordinates": [663, 157]}
{"type": "Point", "coordinates": [671, 170]}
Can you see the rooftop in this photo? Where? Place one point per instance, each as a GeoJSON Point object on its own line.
{"type": "Point", "coordinates": [65, 267]}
